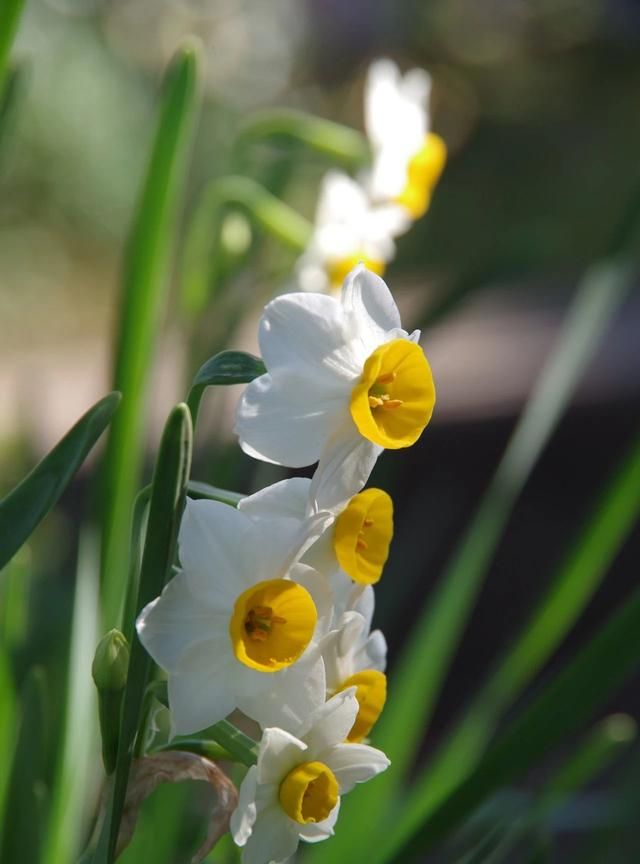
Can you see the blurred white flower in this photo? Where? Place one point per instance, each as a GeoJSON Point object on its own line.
{"type": "Point", "coordinates": [348, 229]}
{"type": "Point", "coordinates": [236, 627]}
{"type": "Point", "coordinates": [344, 382]}
{"type": "Point", "coordinates": [293, 793]}
{"type": "Point", "coordinates": [408, 158]}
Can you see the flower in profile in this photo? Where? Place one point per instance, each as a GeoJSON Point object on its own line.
{"type": "Point", "coordinates": [408, 158]}
{"type": "Point", "coordinates": [293, 792]}
{"type": "Point", "coordinates": [236, 626]}
{"type": "Point", "coordinates": [344, 381]}
{"type": "Point", "coordinates": [348, 229]}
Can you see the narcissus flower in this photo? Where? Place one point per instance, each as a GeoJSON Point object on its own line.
{"type": "Point", "coordinates": [348, 228]}
{"type": "Point", "coordinates": [408, 158]}
{"type": "Point", "coordinates": [344, 382]}
{"type": "Point", "coordinates": [235, 628]}
{"type": "Point", "coordinates": [357, 542]}
{"type": "Point", "coordinates": [293, 793]}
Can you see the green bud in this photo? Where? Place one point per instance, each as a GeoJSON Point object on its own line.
{"type": "Point", "coordinates": [111, 662]}
{"type": "Point", "coordinates": [109, 671]}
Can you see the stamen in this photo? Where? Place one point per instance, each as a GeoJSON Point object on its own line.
{"type": "Point", "coordinates": [367, 523]}
{"type": "Point", "coordinates": [375, 401]}
{"type": "Point", "coordinates": [259, 622]}
{"type": "Point", "coordinates": [361, 544]}
{"type": "Point", "coordinates": [386, 378]}
{"type": "Point", "coordinates": [392, 403]}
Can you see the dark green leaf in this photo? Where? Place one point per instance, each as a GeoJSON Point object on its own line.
{"type": "Point", "coordinates": [228, 367]}
{"type": "Point", "coordinates": [9, 20]}
{"type": "Point", "coordinates": [165, 509]}
{"type": "Point", "coordinates": [27, 505]}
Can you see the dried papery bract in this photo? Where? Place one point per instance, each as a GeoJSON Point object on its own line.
{"type": "Point", "coordinates": [177, 767]}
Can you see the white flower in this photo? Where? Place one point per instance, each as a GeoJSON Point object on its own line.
{"type": "Point", "coordinates": [407, 157]}
{"type": "Point", "coordinates": [344, 381]}
{"type": "Point", "coordinates": [235, 628]}
{"type": "Point", "coordinates": [353, 546]}
{"type": "Point", "coordinates": [355, 657]}
{"type": "Point", "coordinates": [348, 228]}
{"type": "Point", "coordinates": [293, 793]}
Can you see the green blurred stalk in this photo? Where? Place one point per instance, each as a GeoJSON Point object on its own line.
{"type": "Point", "coordinates": [9, 19]}
{"type": "Point", "coordinates": [145, 282]}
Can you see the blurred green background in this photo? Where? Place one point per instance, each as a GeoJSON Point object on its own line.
{"type": "Point", "coordinates": [538, 102]}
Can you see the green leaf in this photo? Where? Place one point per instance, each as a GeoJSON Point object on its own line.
{"type": "Point", "coordinates": [439, 630]}
{"type": "Point", "coordinates": [27, 505]}
{"type": "Point", "coordinates": [165, 509]}
{"type": "Point", "coordinates": [145, 284]}
{"type": "Point", "coordinates": [559, 711]}
{"type": "Point", "coordinates": [8, 723]}
{"type": "Point", "coordinates": [576, 581]}
{"type": "Point", "coordinates": [23, 827]}
{"type": "Point", "coordinates": [196, 490]}
{"type": "Point", "coordinates": [203, 251]}
{"type": "Point", "coordinates": [9, 20]}
{"type": "Point", "coordinates": [78, 752]}
{"type": "Point", "coordinates": [228, 367]}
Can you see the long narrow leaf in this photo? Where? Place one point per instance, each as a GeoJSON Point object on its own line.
{"type": "Point", "coordinates": [27, 505]}
{"type": "Point", "coordinates": [569, 592]}
{"type": "Point", "coordinates": [225, 368]}
{"type": "Point", "coordinates": [145, 282]}
{"type": "Point", "coordinates": [165, 509]}
{"type": "Point", "coordinates": [425, 661]}
{"type": "Point", "coordinates": [559, 710]}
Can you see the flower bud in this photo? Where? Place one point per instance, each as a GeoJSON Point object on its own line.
{"type": "Point", "coordinates": [111, 661]}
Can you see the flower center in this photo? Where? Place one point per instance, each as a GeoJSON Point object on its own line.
{"type": "Point", "coordinates": [309, 792]}
{"type": "Point", "coordinates": [339, 268]}
{"type": "Point", "coordinates": [423, 172]}
{"type": "Point", "coordinates": [362, 534]}
{"type": "Point", "coordinates": [371, 693]}
{"type": "Point", "coordinates": [272, 624]}
{"type": "Point", "coordinates": [393, 401]}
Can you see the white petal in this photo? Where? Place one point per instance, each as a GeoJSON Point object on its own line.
{"type": "Point", "coordinates": [200, 692]}
{"type": "Point", "coordinates": [375, 652]}
{"type": "Point", "coordinates": [288, 499]}
{"type": "Point", "coordinates": [285, 420]}
{"type": "Point", "coordinates": [367, 300]}
{"type": "Point", "coordinates": [274, 838]}
{"type": "Point", "coordinates": [308, 333]}
{"type": "Point", "coordinates": [181, 618]}
{"type": "Point", "coordinates": [321, 555]}
{"type": "Point", "coordinates": [345, 465]}
{"type": "Point", "coordinates": [211, 536]}
{"type": "Point", "coordinates": [244, 816]}
{"type": "Point", "coordinates": [354, 763]}
{"type": "Point", "coordinates": [314, 832]}
{"type": "Point", "coordinates": [330, 724]}
{"type": "Point", "coordinates": [319, 587]}
{"type": "Point", "coordinates": [284, 698]}
{"type": "Point", "coordinates": [363, 601]}
{"type": "Point", "coordinates": [273, 545]}
{"type": "Point", "coordinates": [279, 753]}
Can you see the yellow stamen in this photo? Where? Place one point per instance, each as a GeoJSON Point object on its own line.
{"type": "Point", "coordinates": [406, 399]}
{"type": "Point", "coordinates": [423, 173]}
{"type": "Point", "coordinates": [362, 534]}
{"type": "Point", "coordinates": [272, 624]}
{"type": "Point", "coordinates": [309, 792]}
{"type": "Point", "coordinates": [371, 693]}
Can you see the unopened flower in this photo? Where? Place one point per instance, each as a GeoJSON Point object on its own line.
{"type": "Point", "coordinates": [293, 793]}
{"type": "Point", "coordinates": [408, 158]}
{"type": "Point", "coordinates": [348, 229]}
{"type": "Point", "coordinates": [344, 382]}
{"type": "Point", "coordinates": [235, 627]}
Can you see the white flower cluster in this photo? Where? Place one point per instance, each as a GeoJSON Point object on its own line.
{"type": "Point", "coordinates": [359, 219]}
{"type": "Point", "coordinates": [271, 609]}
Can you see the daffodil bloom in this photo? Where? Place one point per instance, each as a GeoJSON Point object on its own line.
{"type": "Point", "coordinates": [348, 229]}
{"type": "Point", "coordinates": [408, 158]}
{"type": "Point", "coordinates": [356, 542]}
{"type": "Point", "coordinates": [344, 381]}
{"type": "Point", "coordinates": [236, 627]}
{"type": "Point", "coordinates": [293, 792]}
